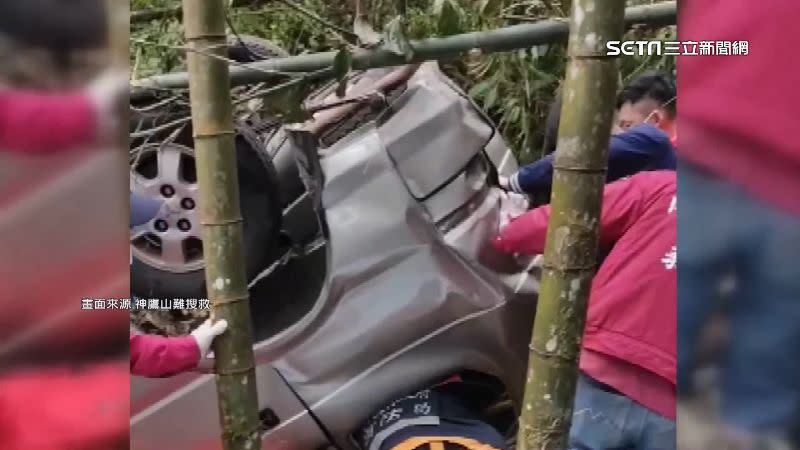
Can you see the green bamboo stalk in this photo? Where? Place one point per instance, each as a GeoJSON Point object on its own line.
{"type": "Point", "coordinates": [443, 49]}
{"type": "Point", "coordinates": [212, 122]}
{"type": "Point", "coordinates": [579, 173]}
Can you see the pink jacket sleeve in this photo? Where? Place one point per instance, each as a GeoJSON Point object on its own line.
{"type": "Point", "coordinates": [157, 356]}
{"type": "Point", "coordinates": [32, 122]}
{"type": "Point", "coordinates": [622, 203]}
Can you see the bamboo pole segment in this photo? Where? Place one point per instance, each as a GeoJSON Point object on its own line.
{"type": "Point", "coordinates": [570, 259]}
{"type": "Point", "coordinates": [217, 178]}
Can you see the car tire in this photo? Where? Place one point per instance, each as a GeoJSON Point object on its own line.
{"type": "Point", "coordinates": [259, 201]}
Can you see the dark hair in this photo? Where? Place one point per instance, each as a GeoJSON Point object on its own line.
{"type": "Point", "coordinates": [653, 85]}
{"type": "Point", "coordinates": [551, 125]}
{"type": "Point", "coordinates": [656, 86]}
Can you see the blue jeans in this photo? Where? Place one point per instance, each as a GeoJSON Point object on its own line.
{"type": "Point", "coordinates": [722, 230]}
{"type": "Point", "coordinates": [606, 420]}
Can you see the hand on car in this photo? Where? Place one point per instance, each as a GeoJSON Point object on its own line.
{"type": "Point", "coordinates": [512, 205]}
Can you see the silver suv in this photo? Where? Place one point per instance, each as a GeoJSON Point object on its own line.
{"type": "Point", "coordinates": [388, 281]}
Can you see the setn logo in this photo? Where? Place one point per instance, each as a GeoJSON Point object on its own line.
{"type": "Point", "coordinates": [630, 48]}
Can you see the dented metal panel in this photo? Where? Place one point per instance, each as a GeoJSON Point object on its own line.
{"type": "Point", "coordinates": [433, 133]}
{"type": "Point", "coordinates": [405, 303]}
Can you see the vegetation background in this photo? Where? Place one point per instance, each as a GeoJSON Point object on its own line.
{"type": "Point", "coordinates": [515, 88]}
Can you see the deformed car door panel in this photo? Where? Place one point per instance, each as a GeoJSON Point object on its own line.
{"type": "Point", "coordinates": [409, 307]}
{"type": "Point", "coordinates": [402, 303]}
{"type": "Point", "coordinates": [433, 132]}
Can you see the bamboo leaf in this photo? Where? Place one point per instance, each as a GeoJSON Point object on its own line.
{"type": "Point", "coordinates": [538, 85]}
{"type": "Point", "coordinates": [489, 7]}
{"type": "Point", "coordinates": [491, 98]}
{"type": "Point", "coordinates": [341, 88]}
{"type": "Point", "coordinates": [342, 64]}
{"type": "Point", "coordinates": [396, 39]}
{"type": "Point", "coordinates": [288, 103]}
{"type": "Point", "coordinates": [541, 74]}
{"type": "Point", "coordinates": [480, 89]}
{"type": "Point", "coordinates": [448, 17]}
{"type": "Point", "coordinates": [514, 113]}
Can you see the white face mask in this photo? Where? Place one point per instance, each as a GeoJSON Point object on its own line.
{"type": "Point", "coordinates": [618, 129]}
{"type": "Point", "coordinates": [649, 116]}
{"type": "Point", "coordinates": [663, 106]}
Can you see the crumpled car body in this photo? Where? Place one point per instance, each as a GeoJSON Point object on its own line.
{"type": "Point", "coordinates": [412, 290]}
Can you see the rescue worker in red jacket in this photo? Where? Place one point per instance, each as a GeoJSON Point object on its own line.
{"type": "Point", "coordinates": [157, 356]}
{"type": "Point", "coordinates": [626, 391]}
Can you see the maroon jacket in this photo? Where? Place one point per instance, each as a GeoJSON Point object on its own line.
{"type": "Point", "coordinates": [32, 122]}
{"type": "Point", "coordinates": [631, 315]}
{"type": "Point", "coordinates": [738, 114]}
{"type": "Point", "coordinates": [157, 356]}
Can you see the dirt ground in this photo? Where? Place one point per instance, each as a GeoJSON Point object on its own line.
{"type": "Point", "coordinates": [167, 323]}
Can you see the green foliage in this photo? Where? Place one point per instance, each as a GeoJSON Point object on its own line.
{"type": "Point", "coordinates": [137, 5]}
{"type": "Point", "coordinates": [515, 88]}
{"type": "Point", "coordinates": [342, 64]}
{"type": "Point", "coordinates": [448, 16]}
{"type": "Point", "coordinates": [630, 67]}
{"type": "Point", "coordinates": [158, 58]}
{"type": "Point", "coordinates": [287, 104]}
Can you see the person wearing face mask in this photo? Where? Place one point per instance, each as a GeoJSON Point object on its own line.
{"type": "Point", "coordinates": [643, 137]}
{"type": "Point", "coordinates": [649, 99]}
